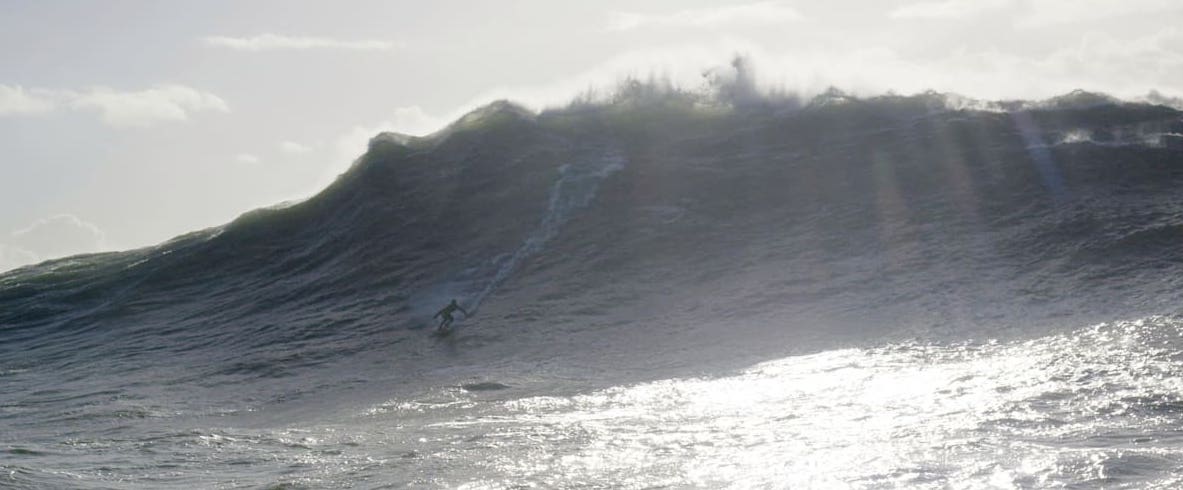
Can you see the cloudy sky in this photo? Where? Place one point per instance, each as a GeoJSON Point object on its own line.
{"type": "Point", "coordinates": [125, 123]}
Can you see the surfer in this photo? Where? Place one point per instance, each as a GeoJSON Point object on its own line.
{"type": "Point", "coordinates": [446, 313]}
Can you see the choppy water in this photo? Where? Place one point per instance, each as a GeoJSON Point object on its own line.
{"type": "Point", "coordinates": [1100, 407]}
{"type": "Point", "coordinates": [1096, 408]}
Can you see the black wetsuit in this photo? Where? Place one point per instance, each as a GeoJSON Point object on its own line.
{"type": "Point", "coordinates": [446, 313]}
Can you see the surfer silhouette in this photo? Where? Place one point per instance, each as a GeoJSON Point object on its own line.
{"type": "Point", "coordinates": [446, 313]}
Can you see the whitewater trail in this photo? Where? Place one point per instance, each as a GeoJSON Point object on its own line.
{"type": "Point", "coordinates": [573, 190]}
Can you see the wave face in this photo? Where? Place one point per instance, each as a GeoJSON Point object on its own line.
{"type": "Point", "coordinates": [605, 250]}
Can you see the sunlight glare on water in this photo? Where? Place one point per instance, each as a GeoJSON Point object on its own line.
{"type": "Point", "coordinates": [1094, 408]}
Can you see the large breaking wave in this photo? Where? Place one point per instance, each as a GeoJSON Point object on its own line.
{"type": "Point", "coordinates": [656, 236]}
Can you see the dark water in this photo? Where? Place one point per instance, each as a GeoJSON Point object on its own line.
{"type": "Point", "coordinates": [841, 293]}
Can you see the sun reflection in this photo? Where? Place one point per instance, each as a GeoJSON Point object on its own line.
{"type": "Point", "coordinates": [984, 415]}
{"type": "Point", "coordinates": [1040, 155]}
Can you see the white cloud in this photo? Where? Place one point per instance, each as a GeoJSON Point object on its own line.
{"type": "Point", "coordinates": [947, 9]}
{"type": "Point", "coordinates": [1036, 13]}
{"type": "Point", "coordinates": [1120, 66]}
{"type": "Point", "coordinates": [163, 103]}
{"type": "Point", "coordinates": [769, 12]}
{"type": "Point", "coordinates": [15, 100]}
{"type": "Point", "coordinates": [247, 158]}
{"type": "Point", "coordinates": [1043, 13]}
{"type": "Point", "coordinates": [294, 148]}
{"type": "Point", "coordinates": [49, 238]}
{"type": "Point", "coordinates": [269, 42]}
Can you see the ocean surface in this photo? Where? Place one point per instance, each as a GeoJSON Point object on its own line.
{"type": "Point", "coordinates": [891, 292]}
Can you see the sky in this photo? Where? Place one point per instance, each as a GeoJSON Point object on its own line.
{"type": "Point", "coordinates": [125, 123]}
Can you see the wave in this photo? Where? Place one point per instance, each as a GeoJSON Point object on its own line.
{"type": "Point", "coordinates": [627, 262]}
{"type": "Point", "coordinates": [840, 218]}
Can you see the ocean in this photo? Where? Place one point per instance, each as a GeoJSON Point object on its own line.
{"type": "Point", "coordinates": [841, 292]}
